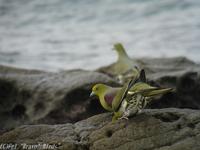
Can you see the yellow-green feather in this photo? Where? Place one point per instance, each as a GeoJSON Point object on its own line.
{"type": "Point", "coordinates": [147, 90]}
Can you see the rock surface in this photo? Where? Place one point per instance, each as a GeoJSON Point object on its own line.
{"type": "Point", "coordinates": [31, 96]}
{"type": "Point", "coordinates": [155, 129]}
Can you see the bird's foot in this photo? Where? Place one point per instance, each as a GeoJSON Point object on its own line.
{"type": "Point", "coordinates": [123, 117]}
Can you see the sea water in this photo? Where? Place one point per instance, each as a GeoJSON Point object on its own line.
{"type": "Point", "coordinates": [66, 34]}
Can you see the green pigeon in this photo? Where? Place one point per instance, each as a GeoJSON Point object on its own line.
{"type": "Point", "coordinates": [125, 67]}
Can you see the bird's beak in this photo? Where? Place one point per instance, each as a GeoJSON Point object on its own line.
{"type": "Point", "coordinates": [92, 94]}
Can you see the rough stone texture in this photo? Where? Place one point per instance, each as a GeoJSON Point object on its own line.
{"type": "Point", "coordinates": [31, 96]}
{"type": "Point", "coordinates": [156, 129]}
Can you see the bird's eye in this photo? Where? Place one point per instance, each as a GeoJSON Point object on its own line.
{"type": "Point", "coordinates": [97, 89]}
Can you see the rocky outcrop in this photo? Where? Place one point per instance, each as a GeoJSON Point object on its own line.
{"type": "Point", "coordinates": [31, 96]}
{"type": "Point", "coordinates": [160, 129]}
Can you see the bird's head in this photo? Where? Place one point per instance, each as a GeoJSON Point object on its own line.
{"type": "Point", "coordinates": [120, 50]}
{"type": "Point", "coordinates": [99, 89]}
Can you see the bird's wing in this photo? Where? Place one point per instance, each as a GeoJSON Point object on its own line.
{"type": "Point", "coordinates": [140, 86]}
{"type": "Point", "coordinates": [142, 76]}
{"type": "Point", "coordinates": [153, 91]}
{"type": "Point", "coordinates": [121, 94]}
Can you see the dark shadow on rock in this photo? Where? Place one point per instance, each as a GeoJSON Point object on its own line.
{"type": "Point", "coordinates": [186, 94]}
{"type": "Point", "coordinates": [32, 97]}
{"type": "Point", "coordinates": [12, 109]}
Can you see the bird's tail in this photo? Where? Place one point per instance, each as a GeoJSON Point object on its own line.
{"type": "Point", "coordinates": [156, 91]}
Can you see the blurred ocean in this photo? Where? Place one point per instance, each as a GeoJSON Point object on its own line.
{"type": "Point", "coordinates": [65, 34]}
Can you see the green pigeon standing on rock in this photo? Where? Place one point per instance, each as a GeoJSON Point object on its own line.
{"type": "Point", "coordinates": [124, 62]}
{"type": "Point", "coordinates": [125, 67]}
{"type": "Point", "coordinates": [110, 97]}
{"type": "Point", "coordinates": [127, 100]}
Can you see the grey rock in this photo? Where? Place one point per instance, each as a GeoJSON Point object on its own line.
{"type": "Point", "coordinates": [31, 96]}
{"type": "Point", "coordinates": [154, 129]}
